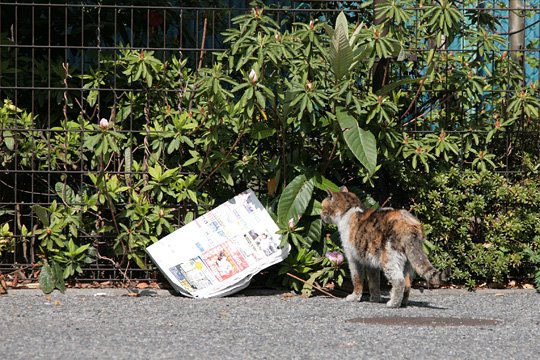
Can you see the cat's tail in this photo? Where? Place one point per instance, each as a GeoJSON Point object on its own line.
{"type": "Point", "coordinates": [420, 262]}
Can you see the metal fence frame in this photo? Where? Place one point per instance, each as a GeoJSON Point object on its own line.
{"type": "Point", "coordinates": [84, 45]}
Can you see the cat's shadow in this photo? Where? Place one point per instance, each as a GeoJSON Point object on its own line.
{"type": "Point", "coordinates": [411, 303]}
{"type": "Point", "coordinates": [424, 304]}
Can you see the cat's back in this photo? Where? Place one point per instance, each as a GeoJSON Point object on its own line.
{"type": "Point", "coordinates": [391, 214]}
{"type": "Point", "coordinates": [385, 220]}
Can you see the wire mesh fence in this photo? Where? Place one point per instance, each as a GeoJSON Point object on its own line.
{"type": "Point", "coordinates": [48, 50]}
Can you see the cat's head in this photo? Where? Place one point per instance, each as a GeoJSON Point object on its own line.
{"type": "Point", "coordinates": [338, 203]}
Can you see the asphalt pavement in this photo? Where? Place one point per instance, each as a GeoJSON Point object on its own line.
{"type": "Point", "coordinates": [255, 324]}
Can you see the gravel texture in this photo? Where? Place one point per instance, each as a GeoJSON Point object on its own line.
{"type": "Point", "coordinates": [107, 324]}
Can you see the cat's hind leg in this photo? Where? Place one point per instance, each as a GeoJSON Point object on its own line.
{"type": "Point", "coordinates": [396, 294]}
{"type": "Point", "coordinates": [374, 281]}
{"type": "Point", "coordinates": [409, 276]}
{"type": "Point", "coordinates": [357, 276]}
{"type": "Point", "coordinates": [395, 274]}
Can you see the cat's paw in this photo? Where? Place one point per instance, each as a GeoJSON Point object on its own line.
{"type": "Point", "coordinates": [393, 304]}
{"type": "Point", "coordinates": [353, 297]}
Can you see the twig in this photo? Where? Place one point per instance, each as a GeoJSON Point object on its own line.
{"type": "Point", "coordinates": [116, 266]}
{"type": "Point", "coordinates": [421, 116]}
{"type": "Point", "coordinates": [19, 269]}
{"type": "Point", "coordinates": [329, 158]}
{"type": "Point", "coordinates": [413, 101]}
{"type": "Point", "coordinates": [202, 42]}
{"type": "Point", "coordinates": [216, 168]}
{"type": "Point", "coordinates": [386, 201]}
{"type": "Point", "coordinates": [66, 76]}
{"type": "Point", "coordinates": [313, 285]}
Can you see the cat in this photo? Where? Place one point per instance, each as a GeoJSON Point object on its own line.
{"type": "Point", "coordinates": [386, 239]}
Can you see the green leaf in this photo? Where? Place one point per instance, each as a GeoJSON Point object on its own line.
{"type": "Point", "coordinates": [59, 283]}
{"type": "Point", "coordinates": [388, 88]}
{"type": "Point", "coordinates": [68, 271]}
{"type": "Point", "coordinates": [128, 162]}
{"type": "Point", "coordinates": [155, 172]}
{"type": "Point", "coordinates": [261, 131]}
{"type": "Point", "coordinates": [328, 29]}
{"type": "Point", "coordinates": [190, 161]}
{"type": "Point", "coordinates": [82, 249]}
{"type": "Point", "coordinates": [324, 184]}
{"type": "Point", "coordinates": [314, 232]}
{"type": "Point", "coordinates": [47, 279]}
{"type": "Point", "coordinates": [65, 192]}
{"type": "Point", "coordinates": [361, 142]}
{"type": "Point", "coordinates": [341, 54]}
{"type": "Point", "coordinates": [91, 142]}
{"type": "Point", "coordinates": [42, 214]}
{"type": "Point", "coordinates": [92, 97]}
{"type": "Point", "coordinates": [189, 217]}
{"type": "Point", "coordinates": [307, 289]}
{"type": "Point", "coordinates": [9, 140]}
{"type": "Point", "coordinates": [294, 200]}
{"type": "Point", "coordinates": [284, 240]}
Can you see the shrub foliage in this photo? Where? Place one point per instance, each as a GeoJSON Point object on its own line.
{"type": "Point", "coordinates": [291, 109]}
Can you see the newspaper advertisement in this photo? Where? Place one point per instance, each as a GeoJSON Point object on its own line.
{"type": "Point", "coordinates": [218, 253]}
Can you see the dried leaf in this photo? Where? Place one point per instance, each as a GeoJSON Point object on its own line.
{"type": "Point", "coordinates": [3, 285]}
{"type": "Point", "coordinates": [288, 295]}
{"type": "Point", "coordinates": [142, 285]}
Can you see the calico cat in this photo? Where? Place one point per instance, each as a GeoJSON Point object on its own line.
{"type": "Point", "coordinates": [386, 239]}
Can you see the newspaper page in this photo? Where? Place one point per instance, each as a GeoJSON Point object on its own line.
{"type": "Point", "coordinates": [218, 253]}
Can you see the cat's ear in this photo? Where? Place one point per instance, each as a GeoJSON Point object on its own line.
{"type": "Point", "coordinates": [343, 189]}
{"type": "Point", "coordinates": [329, 193]}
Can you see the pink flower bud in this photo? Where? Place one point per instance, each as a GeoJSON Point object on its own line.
{"type": "Point", "coordinates": [291, 223]}
{"type": "Point", "coordinates": [335, 256]}
{"type": "Point", "coordinates": [104, 124]}
{"type": "Point", "coordinates": [311, 25]}
{"type": "Point", "coordinates": [253, 76]}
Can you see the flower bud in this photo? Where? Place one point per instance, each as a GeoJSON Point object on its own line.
{"type": "Point", "coordinates": [104, 124]}
{"type": "Point", "coordinates": [253, 76]}
{"type": "Point", "coordinates": [335, 256]}
{"type": "Point", "coordinates": [291, 223]}
{"type": "Point", "coordinates": [309, 86]}
{"type": "Point", "coordinates": [311, 25]}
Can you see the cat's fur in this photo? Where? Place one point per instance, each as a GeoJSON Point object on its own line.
{"type": "Point", "coordinates": [386, 239]}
